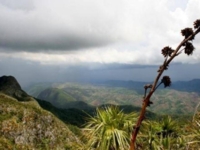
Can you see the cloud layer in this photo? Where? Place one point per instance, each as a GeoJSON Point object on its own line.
{"type": "Point", "coordinates": [74, 33]}
{"type": "Point", "coordinates": [50, 25]}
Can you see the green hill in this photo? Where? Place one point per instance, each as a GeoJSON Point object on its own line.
{"type": "Point", "coordinates": [56, 96]}
{"type": "Point", "coordinates": [71, 116]}
{"type": "Point", "coordinates": [35, 89]}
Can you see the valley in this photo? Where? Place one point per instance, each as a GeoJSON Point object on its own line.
{"type": "Point", "coordinates": [173, 100]}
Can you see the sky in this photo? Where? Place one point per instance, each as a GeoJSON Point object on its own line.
{"type": "Point", "coordinates": [82, 40]}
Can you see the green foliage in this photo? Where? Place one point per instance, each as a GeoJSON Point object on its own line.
{"type": "Point", "coordinates": [110, 129]}
{"type": "Point", "coordinates": [161, 135]}
{"type": "Point", "coordinates": [193, 132]}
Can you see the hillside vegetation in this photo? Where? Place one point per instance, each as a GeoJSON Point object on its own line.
{"type": "Point", "coordinates": [25, 125]}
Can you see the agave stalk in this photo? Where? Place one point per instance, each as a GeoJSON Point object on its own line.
{"type": "Point", "coordinates": [169, 56]}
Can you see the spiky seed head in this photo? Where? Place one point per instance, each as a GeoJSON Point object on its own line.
{"type": "Point", "coordinates": [167, 51]}
{"type": "Point", "coordinates": [189, 48]}
{"type": "Point", "coordinates": [166, 81]}
{"type": "Point", "coordinates": [197, 24]}
{"type": "Point", "coordinates": [187, 32]}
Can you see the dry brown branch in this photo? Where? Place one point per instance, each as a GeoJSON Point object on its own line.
{"type": "Point", "coordinates": [169, 55]}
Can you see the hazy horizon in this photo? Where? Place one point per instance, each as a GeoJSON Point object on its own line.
{"type": "Point", "coordinates": [34, 73]}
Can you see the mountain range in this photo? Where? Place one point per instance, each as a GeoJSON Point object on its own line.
{"type": "Point", "coordinates": [174, 100]}
{"type": "Point", "coordinates": [185, 86]}
{"type": "Point", "coordinates": [45, 115]}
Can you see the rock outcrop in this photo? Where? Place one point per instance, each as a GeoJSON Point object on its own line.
{"type": "Point", "coordinates": [10, 86]}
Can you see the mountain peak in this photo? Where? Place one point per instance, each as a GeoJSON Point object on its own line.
{"type": "Point", "coordinates": [10, 86]}
{"type": "Point", "coordinates": [6, 81]}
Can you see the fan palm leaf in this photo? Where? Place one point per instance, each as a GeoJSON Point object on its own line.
{"type": "Point", "coordinates": [109, 129]}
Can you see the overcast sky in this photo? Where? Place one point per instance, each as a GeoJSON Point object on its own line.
{"type": "Point", "coordinates": [69, 40]}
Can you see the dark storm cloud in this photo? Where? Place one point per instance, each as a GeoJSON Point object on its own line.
{"type": "Point", "coordinates": [49, 42]}
{"type": "Point", "coordinates": [49, 25]}
{"type": "Point", "coordinates": [36, 26]}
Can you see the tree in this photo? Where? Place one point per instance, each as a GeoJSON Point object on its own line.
{"type": "Point", "coordinates": [169, 54]}
{"type": "Point", "coordinates": [110, 129]}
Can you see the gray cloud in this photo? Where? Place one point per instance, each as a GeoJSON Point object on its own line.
{"type": "Point", "coordinates": [52, 26]}
{"type": "Point", "coordinates": [50, 42]}
{"type": "Point", "coordinates": [48, 25]}
{"type": "Point", "coordinates": [111, 38]}
{"type": "Point", "coordinates": [25, 5]}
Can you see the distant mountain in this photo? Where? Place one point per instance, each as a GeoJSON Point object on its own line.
{"type": "Point", "coordinates": [25, 125]}
{"type": "Point", "coordinates": [166, 100]}
{"type": "Point", "coordinates": [35, 89]}
{"type": "Point", "coordinates": [56, 96]}
{"type": "Point", "coordinates": [76, 112]}
{"type": "Point", "coordinates": [187, 86]}
{"type": "Point", "coordinates": [61, 99]}
{"type": "Point", "coordinates": [135, 85]}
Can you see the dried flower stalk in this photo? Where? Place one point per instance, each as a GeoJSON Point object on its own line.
{"type": "Point", "coordinates": [169, 55]}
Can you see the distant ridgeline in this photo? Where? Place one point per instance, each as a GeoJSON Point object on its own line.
{"type": "Point", "coordinates": [187, 86]}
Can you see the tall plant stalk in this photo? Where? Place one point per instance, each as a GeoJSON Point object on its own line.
{"type": "Point", "coordinates": [169, 55]}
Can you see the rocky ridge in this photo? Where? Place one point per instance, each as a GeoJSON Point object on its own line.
{"type": "Point", "coordinates": [10, 86]}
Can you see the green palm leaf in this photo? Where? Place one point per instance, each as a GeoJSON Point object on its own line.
{"type": "Point", "coordinates": [109, 129]}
